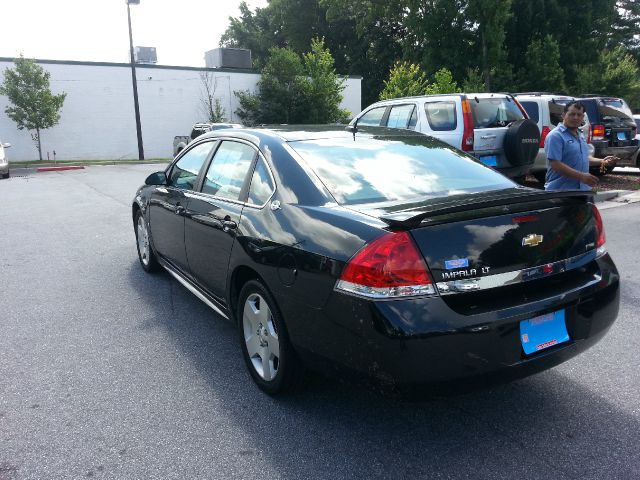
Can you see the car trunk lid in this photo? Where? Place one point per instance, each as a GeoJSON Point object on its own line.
{"type": "Point", "coordinates": [487, 240]}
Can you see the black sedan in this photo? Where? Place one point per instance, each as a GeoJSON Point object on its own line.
{"type": "Point", "coordinates": [385, 254]}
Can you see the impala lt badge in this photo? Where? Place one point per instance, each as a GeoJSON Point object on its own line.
{"type": "Point", "coordinates": [532, 240]}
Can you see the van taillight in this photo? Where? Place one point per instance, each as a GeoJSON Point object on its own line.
{"type": "Point", "coordinates": [543, 135]}
{"type": "Point", "coordinates": [389, 267]}
{"type": "Point", "coordinates": [597, 132]}
{"type": "Point", "coordinates": [467, 134]}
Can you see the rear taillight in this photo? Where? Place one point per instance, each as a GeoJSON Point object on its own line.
{"type": "Point", "coordinates": [543, 135]}
{"type": "Point", "coordinates": [467, 134]}
{"type": "Point", "coordinates": [600, 236]}
{"type": "Point", "coordinates": [597, 132]}
{"type": "Point", "coordinates": [389, 267]}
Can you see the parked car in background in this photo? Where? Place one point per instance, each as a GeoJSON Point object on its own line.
{"type": "Point", "coordinates": [4, 161]}
{"type": "Point", "coordinates": [181, 141]}
{"type": "Point", "coordinates": [612, 130]}
{"type": "Point", "coordinates": [492, 127]}
{"type": "Point", "coordinates": [379, 252]}
{"type": "Point", "coordinates": [546, 110]}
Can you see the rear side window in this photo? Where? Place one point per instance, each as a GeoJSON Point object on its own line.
{"type": "Point", "coordinates": [400, 116]}
{"type": "Point", "coordinates": [494, 112]}
{"type": "Point", "coordinates": [261, 184]}
{"type": "Point", "coordinates": [371, 170]}
{"type": "Point", "coordinates": [372, 117]}
{"type": "Point", "coordinates": [185, 172]}
{"type": "Point", "coordinates": [441, 115]}
{"type": "Point", "coordinates": [532, 110]}
{"type": "Point", "coordinates": [228, 170]}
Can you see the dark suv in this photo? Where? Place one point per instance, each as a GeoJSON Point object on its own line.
{"type": "Point", "coordinates": [612, 129]}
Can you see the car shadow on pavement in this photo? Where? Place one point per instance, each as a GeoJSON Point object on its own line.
{"type": "Point", "coordinates": [547, 426]}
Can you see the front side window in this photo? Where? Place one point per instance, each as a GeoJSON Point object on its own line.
{"type": "Point", "coordinates": [228, 170]}
{"type": "Point", "coordinates": [185, 172]}
{"type": "Point", "coordinates": [441, 115]}
{"type": "Point", "coordinates": [400, 116]}
{"type": "Point", "coordinates": [261, 185]}
{"type": "Point", "coordinates": [373, 117]}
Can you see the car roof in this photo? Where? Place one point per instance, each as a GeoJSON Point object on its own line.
{"type": "Point", "coordinates": [292, 133]}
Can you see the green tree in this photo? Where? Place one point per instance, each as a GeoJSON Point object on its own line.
{"type": "Point", "coordinates": [295, 90]}
{"type": "Point", "coordinates": [281, 91]}
{"type": "Point", "coordinates": [34, 107]}
{"type": "Point", "coordinates": [443, 83]}
{"type": "Point", "coordinates": [210, 105]}
{"type": "Point", "coordinates": [489, 18]}
{"type": "Point", "coordinates": [405, 80]}
{"type": "Point", "coordinates": [615, 73]}
{"type": "Point", "coordinates": [324, 90]}
{"type": "Point", "coordinates": [542, 70]}
{"type": "Point", "coordinates": [473, 81]}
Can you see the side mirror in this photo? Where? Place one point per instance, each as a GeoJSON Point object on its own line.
{"type": "Point", "coordinates": [6, 145]}
{"type": "Point", "coordinates": [157, 178]}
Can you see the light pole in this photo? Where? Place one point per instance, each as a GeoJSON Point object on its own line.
{"type": "Point", "coordinates": [135, 82]}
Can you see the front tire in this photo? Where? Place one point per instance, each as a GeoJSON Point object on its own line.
{"type": "Point", "coordinates": [266, 349]}
{"type": "Point", "coordinates": [147, 257]}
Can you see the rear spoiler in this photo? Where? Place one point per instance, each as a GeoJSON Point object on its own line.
{"type": "Point", "coordinates": [413, 218]}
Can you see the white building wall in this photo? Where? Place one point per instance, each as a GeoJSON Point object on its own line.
{"type": "Point", "coordinates": [98, 121]}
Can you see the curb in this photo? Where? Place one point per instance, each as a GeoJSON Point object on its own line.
{"type": "Point", "coordinates": [610, 194]}
{"type": "Point", "coordinates": [56, 169]}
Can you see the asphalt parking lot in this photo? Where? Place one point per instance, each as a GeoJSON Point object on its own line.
{"type": "Point", "coordinates": [108, 372]}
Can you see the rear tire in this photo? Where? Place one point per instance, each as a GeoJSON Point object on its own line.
{"type": "Point", "coordinates": [146, 255]}
{"type": "Point", "coordinates": [266, 349]}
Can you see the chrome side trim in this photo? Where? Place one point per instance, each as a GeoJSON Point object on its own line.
{"type": "Point", "coordinates": [195, 291]}
{"type": "Point", "coordinates": [517, 276]}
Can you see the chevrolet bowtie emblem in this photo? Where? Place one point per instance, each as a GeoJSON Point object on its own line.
{"type": "Point", "coordinates": [532, 240]}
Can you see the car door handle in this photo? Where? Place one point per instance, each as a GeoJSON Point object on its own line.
{"type": "Point", "coordinates": [180, 210]}
{"type": "Point", "coordinates": [229, 225]}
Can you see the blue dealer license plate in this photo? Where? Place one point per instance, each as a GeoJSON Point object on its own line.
{"type": "Point", "coordinates": [543, 332]}
{"type": "Point", "coordinates": [622, 136]}
{"type": "Point", "coordinates": [489, 160]}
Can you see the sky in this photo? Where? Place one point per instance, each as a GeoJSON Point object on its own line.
{"type": "Point", "coordinates": [97, 31]}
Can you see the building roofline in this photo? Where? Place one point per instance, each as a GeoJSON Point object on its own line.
{"type": "Point", "coordinates": [148, 66]}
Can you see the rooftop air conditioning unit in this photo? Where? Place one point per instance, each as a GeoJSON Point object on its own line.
{"type": "Point", "coordinates": [145, 55]}
{"type": "Point", "coordinates": [228, 58]}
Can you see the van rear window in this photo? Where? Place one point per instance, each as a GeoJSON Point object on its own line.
{"type": "Point", "coordinates": [494, 112]}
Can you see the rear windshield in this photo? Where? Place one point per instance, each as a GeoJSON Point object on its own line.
{"type": "Point", "coordinates": [368, 170]}
{"type": "Point", "coordinates": [494, 112]}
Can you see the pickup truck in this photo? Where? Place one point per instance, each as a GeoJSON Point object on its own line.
{"type": "Point", "coordinates": [181, 141]}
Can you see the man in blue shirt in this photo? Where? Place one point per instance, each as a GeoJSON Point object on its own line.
{"type": "Point", "coordinates": [568, 155]}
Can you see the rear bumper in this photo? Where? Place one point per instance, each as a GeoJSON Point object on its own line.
{"type": "Point", "coordinates": [625, 154]}
{"type": "Point", "coordinates": [424, 342]}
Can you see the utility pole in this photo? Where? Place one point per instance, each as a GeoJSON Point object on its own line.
{"type": "Point", "coordinates": [135, 82]}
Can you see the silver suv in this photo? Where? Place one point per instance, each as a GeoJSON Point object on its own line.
{"type": "Point", "coordinates": [493, 127]}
